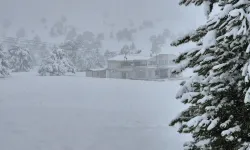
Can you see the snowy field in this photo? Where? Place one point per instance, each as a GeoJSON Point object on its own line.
{"type": "Point", "coordinates": [79, 113]}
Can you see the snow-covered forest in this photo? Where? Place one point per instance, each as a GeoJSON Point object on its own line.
{"type": "Point", "coordinates": [85, 50]}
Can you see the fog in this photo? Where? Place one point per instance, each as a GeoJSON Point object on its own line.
{"type": "Point", "coordinates": [91, 14]}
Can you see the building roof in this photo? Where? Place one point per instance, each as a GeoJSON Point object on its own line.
{"type": "Point", "coordinates": [98, 69]}
{"type": "Point", "coordinates": [129, 58]}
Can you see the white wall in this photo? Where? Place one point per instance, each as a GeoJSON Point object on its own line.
{"type": "Point", "coordinates": [114, 65]}
{"type": "Point", "coordinates": [114, 74]}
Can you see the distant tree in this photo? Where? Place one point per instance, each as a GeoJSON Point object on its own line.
{"type": "Point", "coordinates": [58, 29]}
{"type": "Point", "coordinates": [83, 51]}
{"type": "Point", "coordinates": [88, 36]}
{"type": "Point", "coordinates": [125, 50]}
{"type": "Point", "coordinates": [20, 33]}
{"type": "Point", "coordinates": [125, 34]}
{"type": "Point", "coordinates": [129, 49]}
{"type": "Point", "coordinates": [4, 66]}
{"type": "Point", "coordinates": [100, 36]}
{"type": "Point", "coordinates": [138, 51]}
{"type": "Point", "coordinates": [56, 64]}
{"type": "Point", "coordinates": [89, 60]}
{"type": "Point", "coordinates": [110, 54]}
{"type": "Point", "coordinates": [71, 34]}
{"type": "Point", "coordinates": [20, 59]}
{"type": "Point", "coordinates": [72, 50]}
{"type": "Point", "coordinates": [88, 41]}
{"type": "Point", "coordinates": [133, 30]}
{"type": "Point", "coordinates": [37, 39]}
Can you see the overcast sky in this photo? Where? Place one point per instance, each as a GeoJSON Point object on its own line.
{"type": "Point", "coordinates": [90, 13]}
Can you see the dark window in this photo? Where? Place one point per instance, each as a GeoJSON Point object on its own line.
{"type": "Point", "coordinates": [152, 63]}
{"type": "Point", "coordinates": [139, 63]}
{"type": "Point", "coordinates": [125, 64]}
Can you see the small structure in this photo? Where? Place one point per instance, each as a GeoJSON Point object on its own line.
{"type": "Point", "coordinates": [97, 73]}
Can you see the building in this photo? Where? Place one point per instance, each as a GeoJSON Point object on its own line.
{"type": "Point", "coordinates": [97, 73]}
{"type": "Point", "coordinates": [141, 67]}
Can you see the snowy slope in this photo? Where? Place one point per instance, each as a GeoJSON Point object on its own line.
{"type": "Point", "coordinates": [79, 113]}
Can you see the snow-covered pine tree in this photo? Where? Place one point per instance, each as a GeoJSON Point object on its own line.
{"type": "Point", "coordinates": [218, 95]}
{"type": "Point", "coordinates": [4, 66]}
{"type": "Point", "coordinates": [20, 59]}
{"type": "Point", "coordinates": [128, 49]}
{"type": "Point", "coordinates": [56, 64]}
{"type": "Point", "coordinates": [125, 50]}
{"type": "Point", "coordinates": [71, 47]}
{"type": "Point", "coordinates": [110, 54]}
{"type": "Point", "coordinates": [90, 59]}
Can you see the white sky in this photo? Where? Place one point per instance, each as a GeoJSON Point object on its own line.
{"type": "Point", "coordinates": [89, 13]}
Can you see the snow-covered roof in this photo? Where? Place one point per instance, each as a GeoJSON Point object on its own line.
{"type": "Point", "coordinates": [98, 69]}
{"type": "Point", "coordinates": [129, 58]}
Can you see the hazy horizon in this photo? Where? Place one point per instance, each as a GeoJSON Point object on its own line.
{"type": "Point", "coordinates": [90, 14]}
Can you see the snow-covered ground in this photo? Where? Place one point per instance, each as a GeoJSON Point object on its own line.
{"type": "Point", "coordinates": [79, 113]}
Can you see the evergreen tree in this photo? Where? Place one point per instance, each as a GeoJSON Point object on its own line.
{"type": "Point", "coordinates": [72, 49]}
{"type": "Point", "coordinates": [109, 54]}
{"type": "Point", "coordinates": [20, 59]}
{"type": "Point", "coordinates": [125, 34]}
{"type": "Point", "coordinates": [217, 95]}
{"type": "Point", "coordinates": [125, 50]}
{"type": "Point", "coordinates": [56, 64]}
{"type": "Point", "coordinates": [129, 49]}
{"type": "Point", "coordinates": [84, 51]}
{"type": "Point", "coordinates": [71, 34]}
{"type": "Point", "coordinates": [89, 60]}
{"type": "Point", "coordinates": [4, 66]}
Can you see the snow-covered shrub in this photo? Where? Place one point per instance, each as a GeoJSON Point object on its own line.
{"type": "Point", "coordinates": [56, 64]}
{"type": "Point", "coordinates": [4, 66]}
{"type": "Point", "coordinates": [20, 59]}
